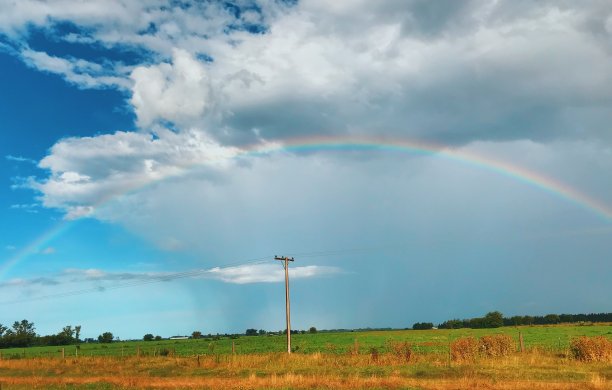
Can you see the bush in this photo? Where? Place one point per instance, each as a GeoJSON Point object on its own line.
{"type": "Point", "coordinates": [496, 345]}
{"type": "Point", "coordinates": [592, 349]}
{"type": "Point", "coordinates": [464, 349]}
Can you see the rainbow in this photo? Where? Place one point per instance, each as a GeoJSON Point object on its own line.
{"type": "Point", "coordinates": [354, 143]}
{"type": "Point", "coordinates": [38, 245]}
{"type": "Point", "coordinates": [515, 172]}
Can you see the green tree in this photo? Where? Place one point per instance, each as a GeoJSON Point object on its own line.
{"type": "Point", "coordinates": [552, 319]}
{"type": "Point", "coordinates": [312, 330]}
{"type": "Point", "coordinates": [157, 338]}
{"type": "Point", "coordinates": [493, 319]}
{"type": "Point", "coordinates": [106, 337]}
{"type": "Point", "coordinates": [77, 333]}
{"type": "Point", "coordinates": [422, 326]}
{"type": "Point", "coordinates": [196, 334]}
{"type": "Point", "coordinates": [23, 333]}
{"type": "Point", "coordinates": [67, 331]}
{"type": "Point", "coordinates": [251, 332]}
{"type": "Point", "coordinates": [148, 337]}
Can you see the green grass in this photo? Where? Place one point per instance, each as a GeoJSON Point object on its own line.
{"type": "Point", "coordinates": [551, 338]}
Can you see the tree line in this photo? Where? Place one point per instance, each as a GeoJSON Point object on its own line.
{"type": "Point", "coordinates": [23, 334]}
{"type": "Point", "coordinates": [496, 319]}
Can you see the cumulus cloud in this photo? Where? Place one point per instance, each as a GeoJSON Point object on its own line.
{"type": "Point", "coordinates": [455, 71]}
{"type": "Point", "coordinates": [86, 172]}
{"type": "Point", "coordinates": [173, 92]}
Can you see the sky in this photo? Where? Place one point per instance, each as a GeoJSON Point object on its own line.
{"type": "Point", "coordinates": [421, 161]}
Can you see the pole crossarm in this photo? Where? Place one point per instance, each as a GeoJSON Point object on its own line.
{"type": "Point", "coordinates": [286, 261]}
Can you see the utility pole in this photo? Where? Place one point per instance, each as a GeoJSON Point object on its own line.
{"type": "Point", "coordinates": [286, 261]}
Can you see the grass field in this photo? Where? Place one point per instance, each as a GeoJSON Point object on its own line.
{"type": "Point", "coordinates": [551, 338]}
{"type": "Point", "coordinates": [324, 360]}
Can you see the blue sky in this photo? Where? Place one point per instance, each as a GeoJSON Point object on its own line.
{"type": "Point", "coordinates": [143, 139]}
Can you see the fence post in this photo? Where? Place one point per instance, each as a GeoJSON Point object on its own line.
{"type": "Point", "coordinates": [449, 349]}
{"type": "Point", "coordinates": [63, 353]}
{"type": "Point", "coordinates": [198, 360]}
{"type": "Point", "coordinates": [233, 348]}
{"type": "Point", "coordinates": [138, 351]}
{"type": "Point", "coordinates": [521, 342]}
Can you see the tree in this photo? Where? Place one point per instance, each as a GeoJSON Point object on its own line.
{"type": "Point", "coordinates": [157, 338]}
{"type": "Point", "coordinates": [196, 334]}
{"type": "Point", "coordinates": [148, 337]}
{"type": "Point", "coordinates": [22, 335]}
{"type": "Point", "coordinates": [262, 332]}
{"type": "Point", "coordinates": [451, 324]}
{"type": "Point", "coordinates": [312, 330]}
{"type": "Point", "coordinates": [77, 333]}
{"type": "Point", "coordinates": [106, 337]}
{"type": "Point", "coordinates": [251, 332]}
{"type": "Point", "coordinates": [493, 319]}
{"type": "Point", "coordinates": [67, 331]}
{"type": "Point", "coordinates": [552, 319]}
{"type": "Point", "coordinates": [422, 326]}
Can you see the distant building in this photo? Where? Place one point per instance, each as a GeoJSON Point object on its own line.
{"type": "Point", "coordinates": [179, 338]}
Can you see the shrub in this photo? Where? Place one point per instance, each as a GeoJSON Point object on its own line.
{"type": "Point", "coordinates": [592, 349]}
{"type": "Point", "coordinates": [464, 349]}
{"type": "Point", "coordinates": [496, 345]}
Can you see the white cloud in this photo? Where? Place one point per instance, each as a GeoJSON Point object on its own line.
{"type": "Point", "coordinates": [27, 207]}
{"type": "Point", "coordinates": [20, 159]}
{"type": "Point", "coordinates": [86, 172]}
{"type": "Point", "coordinates": [269, 273]}
{"type": "Point", "coordinates": [83, 73]}
{"type": "Point", "coordinates": [98, 279]}
{"type": "Point", "coordinates": [459, 72]}
{"type": "Point", "coordinates": [173, 92]}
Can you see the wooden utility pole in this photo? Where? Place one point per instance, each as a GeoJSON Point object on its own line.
{"type": "Point", "coordinates": [286, 261]}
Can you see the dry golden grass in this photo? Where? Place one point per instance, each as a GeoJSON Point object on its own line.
{"type": "Point", "coordinates": [464, 349]}
{"type": "Point", "coordinates": [534, 370]}
{"type": "Point", "coordinates": [592, 349]}
{"type": "Point", "coordinates": [497, 345]}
